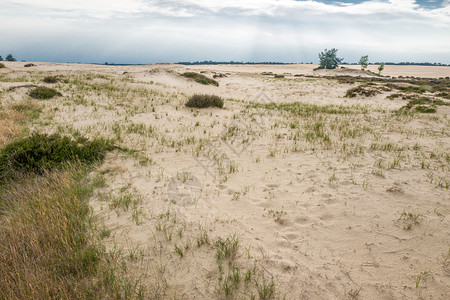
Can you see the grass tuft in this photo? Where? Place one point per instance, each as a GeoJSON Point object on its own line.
{"type": "Point", "coordinates": [50, 79]}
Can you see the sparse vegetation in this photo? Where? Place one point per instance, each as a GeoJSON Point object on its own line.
{"type": "Point", "coordinates": [50, 79]}
{"type": "Point", "coordinates": [410, 219]}
{"type": "Point", "coordinates": [152, 231]}
{"type": "Point", "coordinates": [204, 101]}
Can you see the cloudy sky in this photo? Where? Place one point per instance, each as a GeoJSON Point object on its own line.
{"type": "Point", "coordinates": [149, 31]}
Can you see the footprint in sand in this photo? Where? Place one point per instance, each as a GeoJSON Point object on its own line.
{"type": "Point", "coordinates": [272, 185]}
{"type": "Point", "coordinates": [302, 220]}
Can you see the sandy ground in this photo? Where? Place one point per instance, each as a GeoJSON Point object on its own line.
{"type": "Point", "coordinates": [328, 206]}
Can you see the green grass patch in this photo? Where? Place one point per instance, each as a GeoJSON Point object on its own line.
{"type": "Point", "coordinates": [41, 152]}
{"type": "Point", "coordinates": [204, 100]}
{"type": "Point", "coordinates": [50, 79]}
{"type": "Point", "coordinates": [43, 93]}
{"type": "Point", "coordinates": [200, 78]}
{"type": "Point", "coordinates": [308, 110]}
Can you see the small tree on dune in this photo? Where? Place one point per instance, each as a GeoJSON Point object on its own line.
{"type": "Point", "coordinates": [363, 61]}
{"type": "Point", "coordinates": [380, 68]}
{"type": "Point", "coordinates": [328, 59]}
{"type": "Point", "coordinates": [10, 57]}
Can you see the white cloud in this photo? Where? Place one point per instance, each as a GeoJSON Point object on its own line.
{"type": "Point", "coordinates": [284, 30]}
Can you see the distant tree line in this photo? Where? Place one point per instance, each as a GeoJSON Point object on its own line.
{"type": "Point", "coordinates": [210, 62]}
{"type": "Point", "coordinates": [402, 64]}
{"type": "Point", "coordinates": [8, 57]}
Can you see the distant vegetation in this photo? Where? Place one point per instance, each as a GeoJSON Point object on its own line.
{"type": "Point", "coordinates": [210, 62]}
{"type": "Point", "coordinates": [200, 78]}
{"type": "Point", "coordinates": [203, 101]}
{"type": "Point", "coordinates": [10, 57]}
{"type": "Point", "coordinates": [328, 59]}
{"type": "Point", "coordinates": [380, 68]}
{"type": "Point", "coordinates": [363, 61]}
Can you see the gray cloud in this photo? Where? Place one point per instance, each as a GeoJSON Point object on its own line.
{"type": "Point", "coordinates": [150, 31]}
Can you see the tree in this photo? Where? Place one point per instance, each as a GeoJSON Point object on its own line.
{"type": "Point", "coordinates": [1, 58]}
{"type": "Point", "coordinates": [329, 60]}
{"type": "Point", "coordinates": [380, 68]}
{"type": "Point", "coordinates": [9, 57]}
{"type": "Point", "coordinates": [363, 61]}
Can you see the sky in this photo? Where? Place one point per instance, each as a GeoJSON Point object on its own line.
{"type": "Point", "coordinates": [151, 31]}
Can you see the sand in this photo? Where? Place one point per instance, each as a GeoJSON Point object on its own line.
{"type": "Point", "coordinates": [328, 206]}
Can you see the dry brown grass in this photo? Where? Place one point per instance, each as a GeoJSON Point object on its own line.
{"type": "Point", "coordinates": [10, 126]}
{"type": "Point", "coordinates": [46, 249]}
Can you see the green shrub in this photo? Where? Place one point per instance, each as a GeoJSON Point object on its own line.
{"type": "Point", "coordinates": [50, 79]}
{"type": "Point", "coordinates": [40, 152]}
{"type": "Point", "coordinates": [203, 100]}
{"type": "Point", "coordinates": [425, 109]}
{"type": "Point", "coordinates": [278, 76]}
{"type": "Point", "coordinates": [42, 93]}
{"type": "Point", "coordinates": [2, 65]}
{"type": "Point", "coordinates": [200, 78]}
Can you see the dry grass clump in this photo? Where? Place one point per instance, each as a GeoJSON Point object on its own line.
{"type": "Point", "coordinates": [48, 248]}
{"type": "Point", "coordinates": [50, 79]}
{"type": "Point", "coordinates": [200, 78]}
{"type": "Point", "coordinates": [204, 100]}
{"type": "Point", "coordinates": [46, 251]}
{"type": "Point", "coordinates": [9, 125]}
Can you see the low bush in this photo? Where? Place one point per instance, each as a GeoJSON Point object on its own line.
{"type": "Point", "coordinates": [278, 76]}
{"type": "Point", "coordinates": [40, 152]}
{"type": "Point", "coordinates": [50, 79]}
{"type": "Point", "coordinates": [43, 93]}
{"type": "Point", "coordinates": [362, 90]}
{"type": "Point", "coordinates": [204, 100]}
{"type": "Point", "coordinates": [2, 65]}
{"type": "Point", "coordinates": [425, 109]}
{"type": "Point", "coordinates": [200, 78]}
